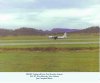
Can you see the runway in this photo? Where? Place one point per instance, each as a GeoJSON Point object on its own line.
{"type": "Point", "coordinates": [48, 40]}
{"type": "Point", "coordinates": [46, 43]}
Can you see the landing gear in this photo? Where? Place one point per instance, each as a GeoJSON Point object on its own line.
{"type": "Point", "coordinates": [55, 37]}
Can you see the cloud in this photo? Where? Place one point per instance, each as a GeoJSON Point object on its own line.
{"type": "Point", "coordinates": [65, 13]}
{"type": "Point", "coordinates": [14, 1]}
{"type": "Point", "coordinates": [46, 14]}
{"type": "Point", "coordinates": [73, 17]}
{"type": "Point", "coordinates": [59, 4]}
{"type": "Point", "coordinates": [94, 16]}
{"type": "Point", "coordinates": [16, 4]}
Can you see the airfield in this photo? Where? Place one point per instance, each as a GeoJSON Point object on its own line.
{"type": "Point", "coordinates": [44, 42]}
{"type": "Point", "coordinates": [78, 53]}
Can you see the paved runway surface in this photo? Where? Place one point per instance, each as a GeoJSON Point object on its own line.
{"type": "Point", "coordinates": [49, 40]}
{"type": "Point", "coordinates": [46, 43]}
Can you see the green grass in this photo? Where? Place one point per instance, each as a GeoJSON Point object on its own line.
{"type": "Point", "coordinates": [75, 57]}
{"type": "Point", "coordinates": [22, 37]}
{"type": "Point", "coordinates": [69, 35]}
{"type": "Point", "coordinates": [48, 40]}
{"type": "Point", "coordinates": [83, 35]}
{"type": "Point", "coordinates": [56, 61]}
{"type": "Point", "coordinates": [55, 46]}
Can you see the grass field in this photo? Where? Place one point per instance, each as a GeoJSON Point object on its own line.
{"type": "Point", "coordinates": [50, 58]}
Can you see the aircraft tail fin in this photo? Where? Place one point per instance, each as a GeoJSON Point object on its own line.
{"type": "Point", "coordinates": [65, 35]}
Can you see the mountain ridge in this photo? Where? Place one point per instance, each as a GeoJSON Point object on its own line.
{"type": "Point", "coordinates": [33, 31]}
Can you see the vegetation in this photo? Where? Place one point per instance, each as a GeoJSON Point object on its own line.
{"type": "Point", "coordinates": [50, 61]}
{"type": "Point", "coordinates": [25, 31]}
{"type": "Point", "coordinates": [50, 57]}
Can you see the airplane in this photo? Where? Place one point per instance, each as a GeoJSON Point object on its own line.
{"type": "Point", "coordinates": [58, 37]}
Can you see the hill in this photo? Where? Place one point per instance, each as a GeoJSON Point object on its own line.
{"type": "Point", "coordinates": [4, 32]}
{"type": "Point", "coordinates": [93, 29]}
{"type": "Point", "coordinates": [21, 31]}
{"type": "Point", "coordinates": [62, 30]}
{"type": "Point", "coordinates": [27, 31]}
{"type": "Point", "coordinates": [32, 31]}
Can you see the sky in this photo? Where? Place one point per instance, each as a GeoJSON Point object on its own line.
{"type": "Point", "coordinates": [48, 14]}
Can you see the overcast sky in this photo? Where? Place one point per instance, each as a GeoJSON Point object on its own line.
{"type": "Point", "coordinates": [48, 14]}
